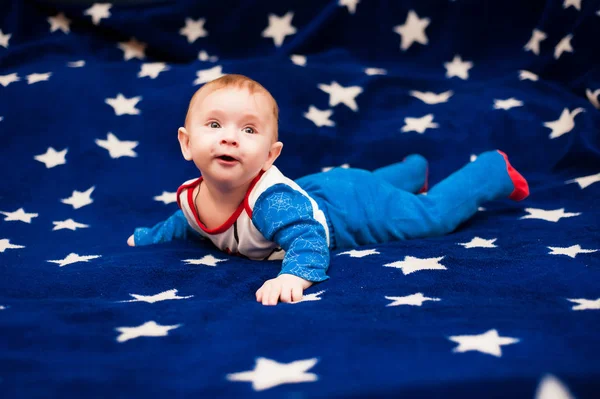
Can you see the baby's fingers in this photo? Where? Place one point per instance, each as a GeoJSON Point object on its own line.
{"type": "Point", "coordinates": [259, 294]}
{"type": "Point", "coordinates": [297, 293]}
{"type": "Point", "coordinates": [264, 294]}
{"type": "Point", "coordinates": [272, 296]}
{"type": "Point", "coordinates": [286, 293]}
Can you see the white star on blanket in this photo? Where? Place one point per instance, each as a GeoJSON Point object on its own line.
{"type": "Point", "coordinates": [123, 105]}
{"type": "Point", "coordinates": [279, 28]}
{"type": "Point", "coordinates": [351, 4]}
{"type": "Point", "coordinates": [298, 59]}
{"type": "Point", "coordinates": [206, 75]}
{"type": "Point", "coordinates": [572, 3]}
{"type": "Point", "coordinates": [207, 260]}
{"type": "Point", "coordinates": [68, 224]}
{"type": "Point", "coordinates": [359, 254]}
{"type": "Point", "coordinates": [552, 388]}
{"type": "Point", "coordinates": [419, 125]}
{"type": "Point", "coordinates": [563, 46]}
{"type": "Point", "coordinates": [162, 296]}
{"type": "Point", "coordinates": [117, 148]}
{"type": "Point", "coordinates": [375, 71]}
{"type": "Point", "coordinates": [5, 80]}
{"type": "Point", "coordinates": [413, 30]}
{"type": "Point", "coordinates": [571, 251]}
{"type": "Point", "coordinates": [133, 49]}
{"type": "Point", "coordinates": [76, 64]}
{"type": "Point", "coordinates": [4, 38]}
{"type": "Point", "coordinates": [98, 11]}
{"type": "Point", "coordinates": [457, 67]}
{"type": "Point", "coordinates": [429, 97]}
{"type": "Point", "coordinates": [508, 103]}
{"type": "Point", "coordinates": [488, 342]}
{"type": "Point", "coordinates": [533, 44]}
{"type": "Point", "coordinates": [203, 56]}
{"type": "Point", "coordinates": [411, 264]}
{"type": "Point", "coordinates": [59, 22]}
{"type": "Point", "coordinates": [79, 198]}
{"type": "Point", "coordinates": [52, 158]}
{"type": "Point", "coordinates": [19, 215]}
{"type": "Point", "coordinates": [319, 117]}
{"type": "Point", "coordinates": [5, 244]}
{"type": "Point", "coordinates": [585, 304]}
{"type": "Point", "coordinates": [148, 329]}
{"type": "Point", "coordinates": [593, 97]}
{"type": "Point", "coordinates": [167, 197]}
{"type": "Point", "coordinates": [478, 242]}
{"type": "Point", "coordinates": [74, 258]}
{"type": "Point", "coordinates": [551, 216]}
{"type": "Point", "coordinates": [340, 94]}
{"type": "Point", "coordinates": [38, 77]}
{"type": "Point", "coordinates": [412, 300]}
{"type": "Point", "coordinates": [564, 124]}
{"type": "Point", "coordinates": [585, 181]}
{"type": "Point", "coordinates": [268, 373]}
{"type": "Point", "coordinates": [193, 29]}
{"type": "Point", "coordinates": [527, 75]}
{"type": "Point", "coordinates": [152, 69]}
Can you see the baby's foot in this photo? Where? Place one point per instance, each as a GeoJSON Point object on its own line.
{"type": "Point", "coordinates": [130, 241]}
{"type": "Point", "coordinates": [521, 190]}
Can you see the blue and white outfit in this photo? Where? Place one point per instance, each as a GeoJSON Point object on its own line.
{"type": "Point", "coordinates": [301, 221]}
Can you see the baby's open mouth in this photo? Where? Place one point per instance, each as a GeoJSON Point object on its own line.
{"type": "Point", "coordinates": [227, 158]}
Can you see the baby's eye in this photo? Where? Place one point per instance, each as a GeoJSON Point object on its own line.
{"type": "Point", "coordinates": [249, 130]}
{"type": "Point", "coordinates": [214, 125]}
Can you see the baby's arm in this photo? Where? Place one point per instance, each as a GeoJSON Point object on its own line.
{"type": "Point", "coordinates": [285, 216]}
{"type": "Point", "coordinates": [175, 227]}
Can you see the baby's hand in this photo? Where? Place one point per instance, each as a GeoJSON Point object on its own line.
{"type": "Point", "coordinates": [130, 241]}
{"type": "Point", "coordinates": [286, 286]}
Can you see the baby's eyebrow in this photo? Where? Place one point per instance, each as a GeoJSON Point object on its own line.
{"type": "Point", "coordinates": [251, 117]}
{"type": "Point", "coordinates": [243, 117]}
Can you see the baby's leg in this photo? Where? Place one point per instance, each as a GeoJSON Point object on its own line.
{"type": "Point", "coordinates": [409, 175]}
{"type": "Point", "coordinates": [457, 198]}
{"type": "Point", "coordinates": [365, 210]}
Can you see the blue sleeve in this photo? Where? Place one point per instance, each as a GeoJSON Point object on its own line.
{"type": "Point", "coordinates": [285, 216]}
{"type": "Point", "coordinates": [175, 227]}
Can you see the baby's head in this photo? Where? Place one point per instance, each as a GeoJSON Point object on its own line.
{"type": "Point", "coordinates": [230, 130]}
{"type": "Point", "coordinates": [234, 82]}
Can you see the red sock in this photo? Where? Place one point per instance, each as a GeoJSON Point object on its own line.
{"type": "Point", "coordinates": [521, 190]}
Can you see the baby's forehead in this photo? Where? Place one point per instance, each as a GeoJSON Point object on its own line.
{"type": "Point", "coordinates": [260, 99]}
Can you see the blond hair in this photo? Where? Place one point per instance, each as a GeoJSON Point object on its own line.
{"type": "Point", "coordinates": [238, 82]}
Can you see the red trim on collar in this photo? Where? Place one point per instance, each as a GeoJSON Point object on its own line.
{"type": "Point", "coordinates": [184, 186]}
{"type": "Point", "coordinates": [229, 222]}
{"type": "Point", "coordinates": [246, 204]}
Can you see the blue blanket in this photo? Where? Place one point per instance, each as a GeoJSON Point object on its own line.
{"type": "Point", "coordinates": [91, 96]}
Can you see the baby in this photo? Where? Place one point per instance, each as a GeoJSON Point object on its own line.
{"type": "Point", "coordinates": [247, 207]}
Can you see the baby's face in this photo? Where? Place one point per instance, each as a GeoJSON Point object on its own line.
{"type": "Point", "coordinates": [231, 135]}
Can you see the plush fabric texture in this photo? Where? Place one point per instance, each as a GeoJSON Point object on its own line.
{"type": "Point", "coordinates": [91, 97]}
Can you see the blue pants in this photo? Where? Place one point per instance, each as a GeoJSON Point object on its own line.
{"type": "Point", "coordinates": [364, 207]}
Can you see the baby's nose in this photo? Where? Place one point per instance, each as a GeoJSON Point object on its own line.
{"type": "Point", "coordinates": [230, 138]}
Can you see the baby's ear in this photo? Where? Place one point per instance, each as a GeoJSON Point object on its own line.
{"type": "Point", "coordinates": [184, 142]}
{"type": "Point", "coordinates": [274, 152]}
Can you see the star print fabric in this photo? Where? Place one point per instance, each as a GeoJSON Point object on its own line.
{"type": "Point", "coordinates": [91, 97]}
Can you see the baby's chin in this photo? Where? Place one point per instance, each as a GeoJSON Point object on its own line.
{"type": "Point", "coordinates": [229, 179]}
